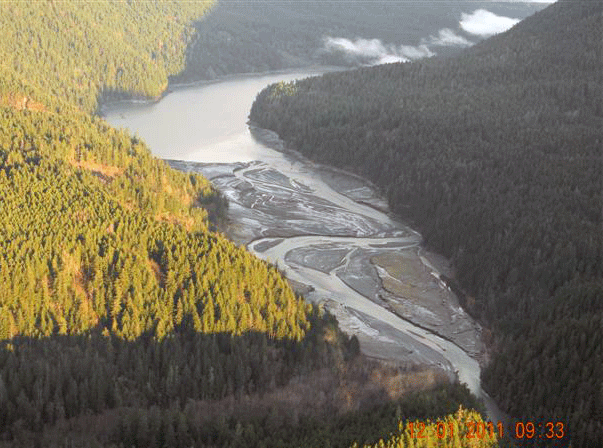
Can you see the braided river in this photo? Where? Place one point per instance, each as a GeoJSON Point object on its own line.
{"type": "Point", "coordinates": [329, 231]}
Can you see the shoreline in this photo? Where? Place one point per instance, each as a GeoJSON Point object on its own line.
{"type": "Point", "coordinates": [272, 140]}
{"type": "Point", "coordinates": [280, 199]}
{"type": "Point", "coordinates": [444, 330]}
{"type": "Point", "coordinates": [103, 107]}
{"type": "Point", "coordinates": [441, 264]}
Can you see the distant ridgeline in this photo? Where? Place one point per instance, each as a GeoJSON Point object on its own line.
{"type": "Point", "coordinates": [123, 315]}
{"type": "Point", "coordinates": [495, 155]}
{"type": "Point", "coordinates": [259, 36]}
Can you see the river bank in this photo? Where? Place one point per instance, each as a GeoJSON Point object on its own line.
{"type": "Point", "coordinates": [328, 231]}
{"type": "Point", "coordinates": [338, 249]}
{"type": "Point", "coordinates": [404, 280]}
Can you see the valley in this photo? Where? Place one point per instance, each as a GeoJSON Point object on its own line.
{"type": "Point", "coordinates": [280, 224]}
{"type": "Point", "coordinates": [328, 231]}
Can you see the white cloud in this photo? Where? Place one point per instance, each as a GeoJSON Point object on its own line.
{"type": "Point", "coordinates": [415, 52]}
{"type": "Point", "coordinates": [484, 23]}
{"type": "Point", "coordinates": [374, 52]}
{"type": "Point", "coordinates": [447, 38]}
{"type": "Point", "coordinates": [389, 59]}
{"type": "Point", "coordinates": [368, 48]}
{"type": "Point", "coordinates": [371, 51]}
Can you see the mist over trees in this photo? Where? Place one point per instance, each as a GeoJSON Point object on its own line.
{"type": "Point", "coordinates": [495, 156]}
{"type": "Point", "coordinates": [258, 36]}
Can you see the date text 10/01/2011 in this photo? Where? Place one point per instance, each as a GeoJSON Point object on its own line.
{"type": "Point", "coordinates": [482, 430]}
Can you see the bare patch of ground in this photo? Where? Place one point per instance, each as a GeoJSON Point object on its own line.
{"type": "Point", "coordinates": [265, 245]}
{"type": "Point", "coordinates": [22, 102]}
{"type": "Point", "coordinates": [300, 288]}
{"type": "Point", "coordinates": [106, 171]}
{"type": "Point", "coordinates": [323, 258]}
{"type": "Point", "coordinates": [403, 276]}
{"type": "Point", "coordinates": [413, 290]}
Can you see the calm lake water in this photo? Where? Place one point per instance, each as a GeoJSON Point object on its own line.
{"type": "Point", "coordinates": [206, 122]}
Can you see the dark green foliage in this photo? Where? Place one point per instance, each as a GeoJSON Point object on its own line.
{"type": "Point", "coordinates": [364, 426]}
{"type": "Point", "coordinates": [74, 52]}
{"type": "Point", "coordinates": [257, 36]}
{"type": "Point", "coordinates": [180, 425]}
{"type": "Point", "coordinates": [368, 425]}
{"type": "Point", "coordinates": [559, 370]}
{"type": "Point", "coordinates": [495, 155]}
{"type": "Point", "coordinates": [97, 237]}
{"type": "Point", "coordinates": [43, 381]}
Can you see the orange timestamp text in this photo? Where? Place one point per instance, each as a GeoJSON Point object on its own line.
{"type": "Point", "coordinates": [488, 430]}
{"type": "Point", "coordinates": [472, 430]}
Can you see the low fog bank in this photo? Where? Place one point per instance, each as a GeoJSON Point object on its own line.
{"type": "Point", "coordinates": [484, 23]}
{"type": "Point", "coordinates": [373, 51]}
{"type": "Point", "coordinates": [472, 27]}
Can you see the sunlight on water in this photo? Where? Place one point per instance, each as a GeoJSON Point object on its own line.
{"type": "Point", "coordinates": [203, 123]}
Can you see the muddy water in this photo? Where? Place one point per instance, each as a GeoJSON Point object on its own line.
{"type": "Point", "coordinates": [323, 227]}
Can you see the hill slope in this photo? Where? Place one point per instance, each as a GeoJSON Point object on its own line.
{"type": "Point", "coordinates": [495, 155]}
{"type": "Point", "coordinates": [257, 36]}
{"type": "Point", "coordinates": [73, 51]}
{"type": "Point", "coordinates": [89, 216]}
{"type": "Point", "coordinates": [105, 251]}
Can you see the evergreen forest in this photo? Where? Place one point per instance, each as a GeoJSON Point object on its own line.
{"type": "Point", "coordinates": [126, 317]}
{"type": "Point", "coordinates": [495, 155]}
{"type": "Point", "coordinates": [255, 36]}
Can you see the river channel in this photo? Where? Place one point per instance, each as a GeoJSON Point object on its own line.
{"type": "Point", "coordinates": [327, 230]}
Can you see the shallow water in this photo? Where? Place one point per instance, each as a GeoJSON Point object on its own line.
{"type": "Point", "coordinates": [321, 226]}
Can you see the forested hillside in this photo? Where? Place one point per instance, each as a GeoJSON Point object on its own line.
{"type": "Point", "coordinates": [495, 156]}
{"type": "Point", "coordinates": [76, 51]}
{"type": "Point", "coordinates": [258, 36]}
{"type": "Point", "coordinates": [99, 238]}
{"type": "Point", "coordinates": [455, 430]}
{"type": "Point", "coordinates": [125, 319]}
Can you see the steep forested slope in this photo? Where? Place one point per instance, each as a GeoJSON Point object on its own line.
{"type": "Point", "coordinates": [97, 231]}
{"type": "Point", "coordinates": [74, 51]}
{"type": "Point", "coordinates": [495, 155]}
{"type": "Point", "coordinates": [100, 243]}
{"type": "Point", "coordinates": [257, 36]}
